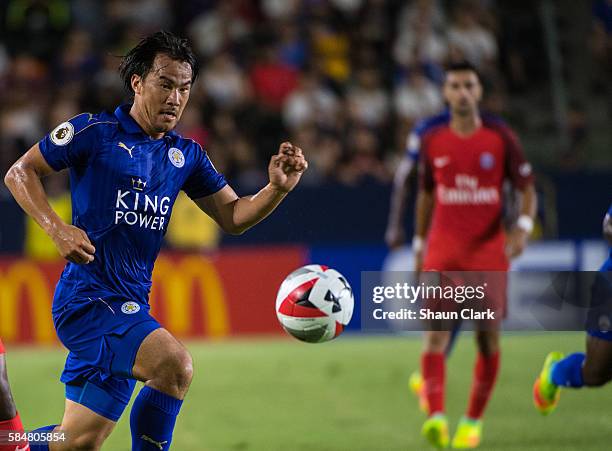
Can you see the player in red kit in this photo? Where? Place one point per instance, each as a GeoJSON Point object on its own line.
{"type": "Point", "coordinates": [10, 422]}
{"type": "Point", "coordinates": [463, 165]}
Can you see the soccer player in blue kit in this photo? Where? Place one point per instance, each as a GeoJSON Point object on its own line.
{"type": "Point", "coordinates": [577, 370]}
{"type": "Point", "coordinates": [126, 170]}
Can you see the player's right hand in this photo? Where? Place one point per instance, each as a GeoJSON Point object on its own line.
{"type": "Point", "coordinates": [73, 244]}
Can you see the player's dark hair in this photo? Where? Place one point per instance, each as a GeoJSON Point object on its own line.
{"type": "Point", "coordinates": [140, 59]}
{"type": "Point", "coordinates": [461, 66]}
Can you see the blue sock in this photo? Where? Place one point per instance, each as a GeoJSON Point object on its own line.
{"type": "Point", "coordinates": [152, 420]}
{"type": "Point", "coordinates": [568, 372]}
{"type": "Point", "coordinates": [41, 446]}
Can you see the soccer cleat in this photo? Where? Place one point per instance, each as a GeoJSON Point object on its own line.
{"type": "Point", "coordinates": [545, 393]}
{"type": "Point", "coordinates": [417, 386]}
{"type": "Point", "coordinates": [468, 434]}
{"type": "Point", "coordinates": [435, 431]}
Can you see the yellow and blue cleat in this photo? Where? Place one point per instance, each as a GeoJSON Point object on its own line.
{"type": "Point", "coordinates": [435, 431]}
{"type": "Point", "coordinates": [417, 386]}
{"type": "Point", "coordinates": [468, 434]}
{"type": "Point", "coordinates": [545, 393]}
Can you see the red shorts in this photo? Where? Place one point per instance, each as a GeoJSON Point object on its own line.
{"type": "Point", "coordinates": [2, 351]}
{"type": "Point", "coordinates": [445, 254]}
{"type": "Point", "coordinates": [442, 261]}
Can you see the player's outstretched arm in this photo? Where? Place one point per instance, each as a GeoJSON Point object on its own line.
{"type": "Point", "coordinates": [236, 214]}
{"type": "Point", "coordinates": [394, 235]}
{"type": "Point", "coordinates": [607, 228]}
{"type": "Point", "coordinates": [518, 236]}
{"type": "Point", "coordinates": [23, 180]}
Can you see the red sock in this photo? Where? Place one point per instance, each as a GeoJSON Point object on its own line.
{"type": "Point", "coordinates": [433, 369]}
{"type": "Point", "coordinates": [13, 425]}
{"type": "Point", "coordinates": [485, 374]}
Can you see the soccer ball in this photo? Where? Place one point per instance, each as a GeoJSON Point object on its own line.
{"type": "Point", "coordinates": [314, 303]}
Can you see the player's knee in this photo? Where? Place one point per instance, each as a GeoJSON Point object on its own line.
{"type": "Point", "coordinates": [185, 370]}
{"type": "Point", "coordinates": [7, 407]}
{"type": "Point", "coordinates": [177, 370]}
{"type": "Point", "coordinates": [4, 383]}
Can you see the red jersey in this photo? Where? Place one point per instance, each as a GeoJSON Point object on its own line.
{"type": "Point", "coordinates": [466, 175]}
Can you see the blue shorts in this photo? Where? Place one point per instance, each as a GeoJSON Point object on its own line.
{"type": "Point", "coordinates": [607, 335]}
{"type": "Point", "coordinates": [103, 337]}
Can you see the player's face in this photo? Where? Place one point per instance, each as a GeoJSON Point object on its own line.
{"type": "Point", "coordinates": [462, 91]}
{"type": "Point", "coordinates": [162, 95]}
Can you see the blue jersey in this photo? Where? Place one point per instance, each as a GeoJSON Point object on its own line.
{"type": "Point", "coordinates": [123, 186]}
{"type": "Point", "coordinates": [607, 265]}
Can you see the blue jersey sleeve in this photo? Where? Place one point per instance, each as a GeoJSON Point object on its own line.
{"type": "Point", "coordinates": [610, 210]}
{"type": "Point", "coordinates": [413, 142]}
{"type": "Point", "coordinates": [70, 143]}
{"type": "Point", "coordinates": [204, 179]}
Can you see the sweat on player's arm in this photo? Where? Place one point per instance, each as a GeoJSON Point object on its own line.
{"type": "Point", "coordinates": [236, 214]}
{"type": "Point", "coordinates": [24, 181]}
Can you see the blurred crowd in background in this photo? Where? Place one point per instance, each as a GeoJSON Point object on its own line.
{"type": "Point", "coordinates": [343, 79]}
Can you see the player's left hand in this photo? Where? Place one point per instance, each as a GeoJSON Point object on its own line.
{"type": "Point", "coordinates": [516, 241]}
{"type": "Point", "coordinates": [286, 167]}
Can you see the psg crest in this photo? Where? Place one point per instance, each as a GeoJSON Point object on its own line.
{"type": "Point", "coordinates": [487, 160]}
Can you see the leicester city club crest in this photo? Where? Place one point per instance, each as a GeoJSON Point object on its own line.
{"type": "Point", "coordinates": [129, 308]}
{"type": "Point", "coordinates": [176, 157]}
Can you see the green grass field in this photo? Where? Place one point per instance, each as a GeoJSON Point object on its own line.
{"type": "Point", "coordinates": [347, 395]}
